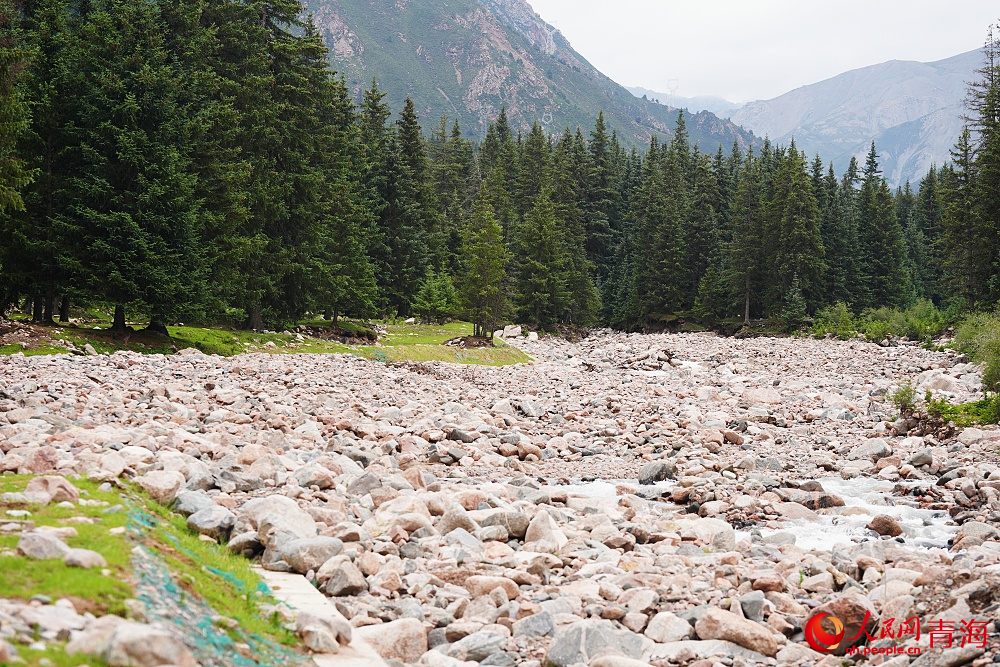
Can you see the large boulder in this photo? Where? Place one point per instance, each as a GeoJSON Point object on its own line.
{"type": "Point", "coordinates": [579, 642]}
{"type": "Point", "coordinates": [310, 553]}
{"type": "Point", "coordinates": [41, 546]}
{"type": "Point", "coordinates": [215, 521]}
{"type": "Point", "coordinates": [161, 485]}
{"type": "Point", "coordinates": [718, 623]}
{"type": "Point", "coordinates": [515, 522]}
{"type": "Point", "coordinates": [274, 516]}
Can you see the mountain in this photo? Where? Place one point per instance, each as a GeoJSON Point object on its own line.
{"type": "Point", "coordinates": [719, 106]}
{"type": "Point", "coordinates": [467, 58]}
{"type": "Point", "coordinates": [912, 110]}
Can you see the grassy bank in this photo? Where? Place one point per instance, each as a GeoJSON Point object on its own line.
{"type": "Point", "coordinates": [199, 574]}
{"type": "Point", "coordinates": [400, 342]}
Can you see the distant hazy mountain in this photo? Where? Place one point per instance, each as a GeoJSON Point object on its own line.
{"type": "Point", "coordinates": [717, 105]}
{"type": "Point", "coordinates": [467, 58]}
{"type": "Point", "coordinates": [912, 110]}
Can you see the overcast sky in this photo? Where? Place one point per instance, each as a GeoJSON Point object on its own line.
{"type": "Point", "coordinates": [757, 49]}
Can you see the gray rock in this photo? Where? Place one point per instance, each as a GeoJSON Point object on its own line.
{"type": "Point", "coordinates": [922, 458]}
{"type": "Point", "coordinates": [246, 544]}
{"type": "Point", "coordinates": [215, 521]}
{"type": "Point", "coordinates": [872, 449]}
{"type": "Point", "coordinates": [84, 558]}
{"type": "Point", "coordinates": [346, 579]}
{"type": "Point", "coordinates": [189, 502]}
{"type": "Point", "coordinates": [41, 546]}
{"type": "Point", "coordinates": [655, 471]}
{"type": "Point", "coordinates": [476, 647]}
{"type": "Point", "coordinates": [461, 436]}
{"type": "Point", "coordinates": [456, 517]}
{"type": "Point", "coordinates": [516, 523]}
{"type": "Point", "coordinates": [314, 475]}
{"type": "Point", "coordinates": [579, 642]}
{"type": "Point", "coordinates": [752, 605]}
{"type": "Point", "coordinates": [364, 484]}
{"type": "Point", "coordinates": [323, 634]}
{"type": "Point", "coordinates": [536, 625]}
{"type": "Point", "coordinates": [141, 645]}
{"type": "Point", "coordinates": [668, 627]}
{"type": "Point", "coordinates": [310, 553]}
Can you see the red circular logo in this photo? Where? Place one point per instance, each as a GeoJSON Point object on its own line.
{"type": "Point", "coordinates": [819, 638]}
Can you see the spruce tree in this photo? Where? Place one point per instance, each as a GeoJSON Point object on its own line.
{"type": "Point", "coordinates": [882, 249]}
{"type": "Point", "coordinates": [747, 263]}
{"type": "Point", "coordinates": [542, 292]}
{"type": "Point", "coordinates": [482, 288]}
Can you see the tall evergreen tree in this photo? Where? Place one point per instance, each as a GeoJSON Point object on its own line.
{"type": "Point", "coordinates": [882, 249]}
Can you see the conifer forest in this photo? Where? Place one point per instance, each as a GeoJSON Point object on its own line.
{"type": "Point", "coordinates": [200, 161]}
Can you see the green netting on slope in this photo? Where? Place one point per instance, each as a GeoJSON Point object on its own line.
{"type": "Point", "coordinates": [166, 602]}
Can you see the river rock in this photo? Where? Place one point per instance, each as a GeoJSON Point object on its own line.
{"type": "Point", "coordinates": [215, 522]}
{"type": "Point", "coordinates": [309, 553]}
{"type": "Point", "coordinates": [345, 579]}
{"type": "Point", "coordinates": [666, 627]}
{"type": "Point", "coordinates": [578, 642]}
{"type": "Point", "coordinates": [885, 525]}
{"type": "Point", "coordinates": [41, 546]}
{"type": "Point", "coordinates": [84, 558]}
{"type": "Point", "coordinates": [323, 634]}
{"type": "Point", "coordinates": [720, 624]}
{"type": "Point", "coordinates": [140, 645]}
{"type": "Point", "coordinates": [404, 640]}
{"type": "Point", "coordinates": [161, 485]}
{"type": "Point", "coordinates": [58, 488]}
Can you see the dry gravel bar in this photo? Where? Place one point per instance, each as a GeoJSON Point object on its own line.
{"type": "Point", "coordinates": [625, 500]}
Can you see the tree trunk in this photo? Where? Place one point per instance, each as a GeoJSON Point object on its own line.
{"type": "Point", "coordinates": [48, 315]}
{"type": "Point", "coordinates": [156, 325]}
{"type": "Point", "coordinates": [746, 307]}
{"type": "Point", "coordinates": [38, 309]}
{"type": "Point", "coordinates": [254, 320]}
{"type": "Point", "coordinates": [64, 310]}
{"type": "Point", "coordinates": [119, 322]}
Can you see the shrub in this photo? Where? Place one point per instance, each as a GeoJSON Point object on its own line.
{"type": "Point", "coordinates": [979, 337]}
{"type": "Point", "coordinates": [836, 319]}
{"type": "Point", "coordinates": [904, 398]}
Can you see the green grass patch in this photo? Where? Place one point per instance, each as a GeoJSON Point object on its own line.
{"type": "Point", "coordinates": [55, 656]}
{"type": "Point", "coordinates": [203, 569]}
{"type": "Point", "coordinates": [401, 342]}
{"type": "Point", "coordinates": [24, 577]}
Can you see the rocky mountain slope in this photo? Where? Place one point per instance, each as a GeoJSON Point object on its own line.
{"type": "Point", "coordinates": [912, 110]}
{"type": "Point", "coordinates": [719, 106]}
{"type": "Point", "coordinates": [467, 58]}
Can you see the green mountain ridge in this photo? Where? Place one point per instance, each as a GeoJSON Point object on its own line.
{"type": "Point", "coordinates": [468, 58]}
